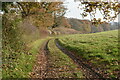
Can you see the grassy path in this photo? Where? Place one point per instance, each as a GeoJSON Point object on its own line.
{"type": "Point", "coordinates": [39, 70]}
{"type": "Point", "coordinates": [60, 65]}
{"type": "Point", "coordinates": [53, 63]}
{"type": "Point", "coordinates": [58, 61]}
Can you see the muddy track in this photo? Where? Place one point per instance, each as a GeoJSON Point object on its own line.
{"type": "Point", "coordinates": [40, 69]}
{"type": "Point", "coordinates": [89, 73]}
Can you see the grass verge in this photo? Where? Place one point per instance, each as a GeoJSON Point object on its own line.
{"type": "Point", "coordinates": [21, 67]}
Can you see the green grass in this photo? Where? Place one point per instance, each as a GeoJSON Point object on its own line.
{"type": "Point", "coordinates": [99, 48]}
{"type": "Point", "coordinates": [21, 67]}
{"type": "Point", "coordinates": [62, 63]}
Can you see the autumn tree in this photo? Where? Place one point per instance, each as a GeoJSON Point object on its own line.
{"type": "Point", "coordinates": [109, 10]}
{"type": "Point", "coordinates": [42, 14]}
{"type": "Point", "coordinates": [58, 16]}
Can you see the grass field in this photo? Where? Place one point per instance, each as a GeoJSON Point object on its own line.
{"type": "Point", "coordinates": [101, 49]}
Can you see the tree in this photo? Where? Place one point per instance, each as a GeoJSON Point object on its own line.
{"type": "Point", "coordinates": [105, 8]}
{"type": "Point", "coordinates": [58, 16]}
{"type": "Point", "coordinates": [42, 14]}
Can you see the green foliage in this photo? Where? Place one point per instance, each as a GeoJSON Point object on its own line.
{"type": "Point", "coordinates": [17, 59]}
{"type": "Point", "coordinates": [98, 48]}
{"type": "Point", "coordinates": [11, 33]}
{"type": "Point", "coordinates": [5, 6]}
{"type": "Point", "coordinates": [12, 46]}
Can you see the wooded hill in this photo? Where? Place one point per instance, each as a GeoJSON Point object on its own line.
{"type": "Point", "coordinates": [85, 26]}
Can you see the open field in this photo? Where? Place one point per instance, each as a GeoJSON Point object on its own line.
{"type": "Point", "coordinates": [100, 49]}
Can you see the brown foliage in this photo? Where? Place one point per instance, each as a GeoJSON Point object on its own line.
{"type": "Point", "coordinates": [105, 9]}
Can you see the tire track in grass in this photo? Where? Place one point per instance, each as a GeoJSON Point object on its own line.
{"type": "Point", "coordinates": [40, 68]}
{"type": "Point", "coordinates": [60, 65]}
{"type": "Point", "coordinates": [88, 71]}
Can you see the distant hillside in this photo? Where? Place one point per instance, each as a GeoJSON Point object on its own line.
{"type": "Point", "coordinates": [85, 26]}
{"type": "Point", "coordinates": [114, 25]}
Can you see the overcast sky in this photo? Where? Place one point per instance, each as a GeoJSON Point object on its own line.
{"type": "Point", "coordinates": [74, 12]}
